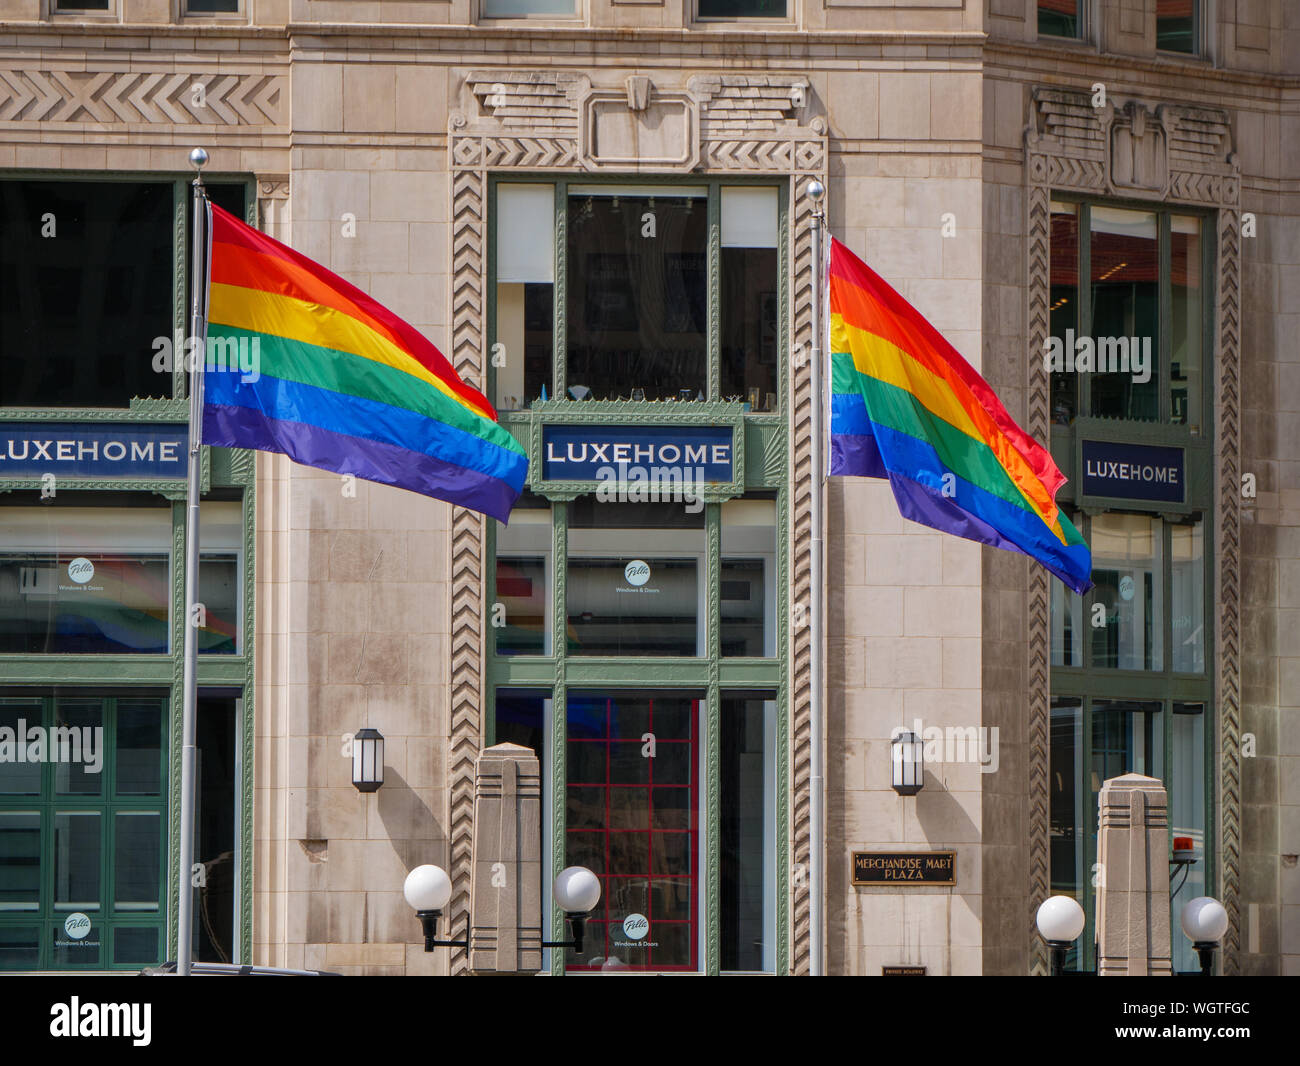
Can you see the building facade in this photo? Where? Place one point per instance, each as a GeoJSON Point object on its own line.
{"type": "Point", "coordinates": [600, 212]}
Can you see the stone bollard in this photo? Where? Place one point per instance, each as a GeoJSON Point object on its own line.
{"type": "Point", "coordinates": [1133, 890]}
{"type": "Point", "coordinates": [506, 893]}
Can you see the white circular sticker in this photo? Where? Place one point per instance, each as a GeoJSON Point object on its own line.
{"type": "Point", "coordinates": [635, 926]}
{"type": "Point", "coordinates": [76, 925]}
{"type": "Point", "coordinates": [1126, 587]}
{"type": "Point", "coordinates": [637, 572]}
{"type": "Point", "coordinates": [81, 570]}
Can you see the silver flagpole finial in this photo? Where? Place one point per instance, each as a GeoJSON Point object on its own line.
{"type": "Point", "coordinates": [198, 158]}
{"type": "Point", "coordinates": [816, 189]}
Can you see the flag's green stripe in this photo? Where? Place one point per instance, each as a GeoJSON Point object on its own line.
{"type": "Point", "coordinates": [353, 375]}
{"type": "Point", "coordinates": [970, 459]}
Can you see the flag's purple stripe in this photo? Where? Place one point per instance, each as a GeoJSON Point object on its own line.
{"type": "Point", "coordinates": [856, 454]}
{"type": "Point", "coordinates": [243, 427]}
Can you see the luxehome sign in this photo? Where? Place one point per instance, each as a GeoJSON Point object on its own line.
{"type": "Point", "coordinates": [32, 450]}
{"type": "Point", "coordinates": [597, 453]}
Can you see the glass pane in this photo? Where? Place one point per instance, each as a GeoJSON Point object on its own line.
{"type": "Point", "coordinates": [735, 9]}
{"type": "Point", "coordinates": [627, 595]}
{"type": "Point", "coordinates": [1067, 622]}
{"type": "Point", "coordinates": [20, 860]}
{"type": "Point", "coordinates": [747, 582]}
{"type": "Point", "coordinates": [76, 940]}
{"type": "Point", "coordinates": [634, 819]}
{"type": "Point", "coordinates": [1121, 356]}
{"type": "Point", "coordinates": [139, 747]}
{"type": "Point", "coordinates": [76, 861]}
{"type": "Point", "coordinates": [82, 5]}
{"type": "Point", "coordinates": [521, 719]}
{"type": "Point", "coordinates": [212, 7]}
{"type": "Point", "coordinates": [514, 8]}
{"type": "Point", "coordinates": [638, 296]}
{"type": "Point", "coordinates": [137, 856]}
{"type": "Point", "coordinates": [1065, 833]}
{"type": "Point", "coordinates": [137, 946]}
{"type": "Point", "coordinates": [1188, 322]}
{"type": "Point", "coordinates": [521, 592]}
{"type": "Point", "coordinates": [748, 821]}
{"type": "Point", "coordinates": [1188, 592]}
{"type": "Point", "coordinates": [1058, 18]}
{"type": "Point", "coordinates": [219, 594]}
{"type": "Point", "coordinates": [1127, 567]}
{"type": "Point", "coordinates": [1064, 309]}
{"type": "Point", "coordinates": [83, 603]}
{"type": "Point", "coordinates": [20, 947]}
{"type": "Point", "coordinates": [1187, 819]}
{"type": "Point", "coordinates": [749, 297]}
{"type": "Point", "coordinates": [214, 843]}
{"type": "Point", "coordinates": [1126, 739]}
{"type": "Point", "coordinates": [21, 721]}
{"type": "Point", "coordinates": [76, 747]}
{"type": "Point", "coordinates": [85, 290]}
{"type": "Point", "coordinates": [1176, 26]}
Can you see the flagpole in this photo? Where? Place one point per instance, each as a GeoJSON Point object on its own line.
{"type": "Point", "coordinates": [816, 703]}
{"type": "Point", "coordinates": [199, 263]}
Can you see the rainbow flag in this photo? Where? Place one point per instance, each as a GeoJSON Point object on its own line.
{"type": "Point", "coordinates": [907, 407]}
{"type": "Point", "coordinates": [300, 362]}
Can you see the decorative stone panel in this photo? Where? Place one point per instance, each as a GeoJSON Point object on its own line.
{"type": "Point", "coordinates": [1173, 154]}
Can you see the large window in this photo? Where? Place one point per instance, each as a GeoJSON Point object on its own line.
{"type": "Point", "coordinates": [1177, 25]}
{"type": "Point", "coordinates": [1060, 18]}
{"type": "Point", "coordinates": [83, 305]}
{"type": "Point", "coordinates": [636, 322]}
{"type": "Point", "coordinates": [507, 9]}
{"type": "Point", "coordinates": [82, 831]}
{"type": "Point", "coordinates": [1128, 345]}
{"type": "Point", "coordinates": [640, 635]}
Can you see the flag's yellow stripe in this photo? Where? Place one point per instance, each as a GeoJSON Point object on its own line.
{"type": "Point", "coordinates": [284, 316]}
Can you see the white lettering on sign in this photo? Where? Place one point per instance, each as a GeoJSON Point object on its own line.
{"type": "Point", "coordinates": [1115, 471]}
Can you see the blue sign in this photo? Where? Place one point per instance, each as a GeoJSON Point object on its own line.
{"type": "Point", "coordinates": [1134, 471]}
{"type": "Point", "coordinates": [89, 450]}
{"type": "Point", "coordinates": [610, 453]}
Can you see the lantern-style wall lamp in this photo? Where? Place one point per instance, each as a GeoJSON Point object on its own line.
{"type": "Point", "coordinates": [428, 890]}
{"type": "Point", "coordinates": [367, 760]}
{"type": "Point", "coordinates": [907, 762]}
{"type": "Point", "coordinates": [1060, 920]}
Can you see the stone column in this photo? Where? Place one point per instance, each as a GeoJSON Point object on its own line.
{"type": "Point", "coordinates": [506, 893]}
{"type": "Point", "coordinates": [1133, 889]}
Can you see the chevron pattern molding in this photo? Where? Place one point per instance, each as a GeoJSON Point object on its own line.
{"type": "Point", "coordinates": [1068, 147]}
{"type": "Point", "coordinates": [546, 104]}
{"type": "Point", "coordinates": [113, 97]}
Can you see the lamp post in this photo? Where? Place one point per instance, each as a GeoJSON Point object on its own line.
{"type": "Point", "coordinates": [428, 891]}
{"type": "Point", "coordinates": [1060, 920]}
{"type": "Point", "coordinates": [1204, 922]}
{"type": "Point", "coordinates": [907, 762]}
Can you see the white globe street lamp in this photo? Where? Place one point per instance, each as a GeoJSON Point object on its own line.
{"type": "Point", "coordinates": [1204, 922]}
{"type": "Point", "coordinates": [1060, 920]}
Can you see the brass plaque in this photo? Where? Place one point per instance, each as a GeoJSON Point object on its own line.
{"type": "Point", "coordinates": [904, 867]}
{"type": "Point", "coordinates": [902, 971]}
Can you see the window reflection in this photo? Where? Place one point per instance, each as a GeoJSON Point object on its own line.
{"type": "Point", "coordinates": [1127, 568]}
{"type": "Point", "coordinates": [638, 294]}
{"type": "Point", "coordinates": [1187, 321]}
{"type": "Point", "coordinates": [1125, 311]}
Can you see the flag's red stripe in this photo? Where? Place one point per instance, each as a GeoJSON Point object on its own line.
{"type": "Point", "coordinates": [242, 246]}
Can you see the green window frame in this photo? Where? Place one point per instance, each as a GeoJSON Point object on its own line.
{"type": "Point", "coordinates": [712, 674]}
{"type": "Point", "coordinates": [226, 474]}
{"type": "Point", "coordinates": [109, 806]}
